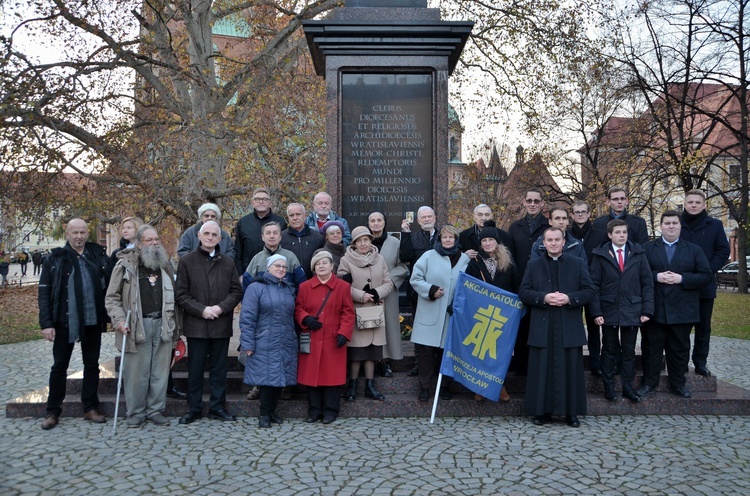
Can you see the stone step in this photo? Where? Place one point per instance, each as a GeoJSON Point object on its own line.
{"type": "Point", "coordinates": [725, 400]}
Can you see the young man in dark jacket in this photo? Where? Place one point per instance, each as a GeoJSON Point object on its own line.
{"type": "Point", "coordinates": [708, 233]}
{"type": "Point", "coordinates": [624, 300]}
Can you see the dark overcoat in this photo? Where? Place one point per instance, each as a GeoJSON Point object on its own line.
{"type": "Point", "coordinates": [709, 234]}
{"type": "Point", "coordinates": [204, 281]}
{"type": "Point", "coordinates": [621, 297]}
{"type": "Point", "coordinates": [678, 303]}
{"type": "Point", "coordinates": [522, 240]}
{"type": "Point", "coordinates": [325, 365]}
{"type": "Point", "coordinates": [574, 282]}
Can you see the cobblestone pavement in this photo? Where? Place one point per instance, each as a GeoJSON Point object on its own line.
{"type": "Point", "coordinates": [692, 455]}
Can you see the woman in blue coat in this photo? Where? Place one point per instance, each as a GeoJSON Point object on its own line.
{"type": "Point", "coordinates": [268, 337]}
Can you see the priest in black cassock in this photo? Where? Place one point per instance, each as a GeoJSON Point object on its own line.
{"type": "Point", "coordinates": [556, 287]}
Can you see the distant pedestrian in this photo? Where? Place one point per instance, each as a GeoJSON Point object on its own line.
{"type": "Point", "coordinates": [36, 259]}
{"type": "Point", "coordinates": [4, 268]}
{"type": "Point", "coordinates": [23, 260]}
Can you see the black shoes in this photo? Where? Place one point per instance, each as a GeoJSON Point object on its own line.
{"type": "Point", "coordinates": [351, 392]}
{"type": "Point", "coordinates": [542, 419]}
{"type": "Point", "coordinates": [190, 417]}
{"type": "Point", "coordinates": [264, 421]}
{"type": "Point", "coordinates": [631, 395]}
{"type": "Point", "coordinates": [275, 419]}
{"type": "Point", "coordinates": [572, 421]}
{"type": "Point", "coordinates": [371, 391]}
{"type": "Point", "coordinates": [609, 395]}
{"type": "Point", "coordinates": [445, 394]}
{"type": "Point", "coordinates": [702, 370]}
{"type": "Point", "coordinates": [329, 419]}
{"type": "Point", "coordinates": [311, 419]}
{"type": "Point", "coordinates": [645, 391]}
{"type": "Point", "coordinates": [385, 369]}
{"type": "Point", "coordinates": [596, 372]}
{"type": "Point", "coordinates": [424, 395]}
{"type": "Point", "coordinates": [221, 414]}
{"type": "Point", "coordinates": [681, 391]}
{"type": "Point", "coordinates": [413, 372]}
{"type": "Point", "coordinates": [175, 393]}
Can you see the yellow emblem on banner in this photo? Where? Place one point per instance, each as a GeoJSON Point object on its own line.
{"type": "Point", "coordinates": [486, 332]}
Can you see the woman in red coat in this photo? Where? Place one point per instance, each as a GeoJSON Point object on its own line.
{"type": "Point", "coordinates": [324, 309]}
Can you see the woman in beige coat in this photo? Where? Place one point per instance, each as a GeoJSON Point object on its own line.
{"type": "Point", "coordinates": [365, 269]}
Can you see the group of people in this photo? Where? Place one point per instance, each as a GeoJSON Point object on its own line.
{"type": "Point", "coordinates": [320, 303]}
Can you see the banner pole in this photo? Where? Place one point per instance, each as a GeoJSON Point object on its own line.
{"type": "Point", "coordinates": [435, 401]}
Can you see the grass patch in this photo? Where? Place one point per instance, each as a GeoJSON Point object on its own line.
{"type": "Point", "coordinates": [19, 318]}
{"type": "Point", "coordinates": [730, 318]}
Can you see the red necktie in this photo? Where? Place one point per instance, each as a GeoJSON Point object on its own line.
{"type": "Point", "coordinates": [620, 260]}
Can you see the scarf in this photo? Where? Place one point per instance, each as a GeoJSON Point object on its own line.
{"type": "Point", "coordinates": [692, 221]}
{"type": "Point", "coordinates": [580, 232]}
{"type": "Point", "coordinates": [378, 242]}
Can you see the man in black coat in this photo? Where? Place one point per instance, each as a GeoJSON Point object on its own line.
{"type": "Point", "coordinates": [624, 301]}
{"type": "Point", "coordinates": [556, 287]}
{"type": "Point", "coordinates": [523, 233]}
{"type": "Point", "coordinates": [72, 286]}
{"type": "Point", "coordinates": [679, 270]}
{"type": "Point", "coordinates": [469, 238]}
{"type": "Point", "coordinates": [247, 233]}
{"type": "Point", "coordinates": [708, 233]}
{"type": "Point", "coordinates": [299, 238]}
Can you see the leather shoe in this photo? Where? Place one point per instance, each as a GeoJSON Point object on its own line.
{"type": "Point", "coordinates": [329, 419]}
{"type": "Point", "coordinates": [681, 391]}
{"type": "Point", "coordinates": [175, 393]}
{"type": "Point", "coordinates": [385, 369]}
{"type": "Point", "coordinates": [264, 421]}
{"type": "Point", "coordinates": [702, 370]}
{"type": "Point", "coordinates": [542, 419]}
{"type": "Point", "coordinates": [645, 391]}
{"type": "Point", "coordinates": [50, 422]}
{"type": "Point", "coordinates": [631, 395]}
{"type": "Point", "coordinates": [190, 417]}
{"type": "Point", "coordinates": [424, 394]}
{"type": "Point", "coordinates": [221, 414]}
{"type": "Point", "coordinates": [572, 421]}
{"type": "Point", "coordinates": [596, 372]}
{"type": "Point", "coordinates": [610, 396]}
{"type": "Point", "coordinates": [275, 419]}
{"type": "Point", "coordinates": [445, 394]}
{"type": "Point", "coordinates": [94, 416]}
{"type": "Point", "coordinates": [311, 419]}
{"type": "Point", "coordinates": [413, 372]}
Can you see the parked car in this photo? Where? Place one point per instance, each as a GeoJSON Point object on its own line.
{"type": "Point", "coordinates": [729, 274]}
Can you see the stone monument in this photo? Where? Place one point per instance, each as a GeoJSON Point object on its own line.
{"type": "Point", "coordinates": [386, 65]}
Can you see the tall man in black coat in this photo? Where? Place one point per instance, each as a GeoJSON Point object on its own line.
{"type": "Point", "coordinates": [556, 287]}
{"type": "Point", "coordinates": [680, 270]}
{"type": "Point", "coordinates": [72, 285]}
{"type": "Point", "coordinates": [247, 232]}
{"type": "Point", "coordinates": [708, 233]}
{"type": "Point", "coordinates": [523, 233]}
{"type": "Point", "coordinates": [301, 239]}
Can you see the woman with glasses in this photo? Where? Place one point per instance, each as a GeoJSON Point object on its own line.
{"type": "Point", "coordinates": [268, 337]}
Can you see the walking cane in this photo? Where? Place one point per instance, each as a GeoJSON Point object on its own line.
{"type": "Point", "coordinates": [119, 377]}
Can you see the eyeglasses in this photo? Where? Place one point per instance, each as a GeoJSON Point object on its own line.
{"type": "Point", "coordinates": [261, 200]}
{"type": "Point", "coordinates": [283, 267]}
{"type": "Point", "coordinates": [580, 212]}
{"type": "Point", "coordinates": [535, 201]}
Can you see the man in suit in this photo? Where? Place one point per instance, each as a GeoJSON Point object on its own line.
{"type": "Point", "coordinates": [680, 270]}
{"type": "Point", "coordinates": [708, 233]}
{"type": "Point", "coordinates": [523, 233]}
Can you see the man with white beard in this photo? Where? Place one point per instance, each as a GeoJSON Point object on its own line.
{"type": "Point", "coordinates": [143, 283]}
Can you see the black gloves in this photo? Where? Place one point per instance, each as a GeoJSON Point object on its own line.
{"type": "Point", "coordinates": [347, 278]}
{"type": "Point", "coordinates": [450, 309]}
{"type": "Point", "coordinates": [312, 323]}
{"type": "Point", "coordinates": [341, 340]}
{"type": "Point", "coordinates": [374, 294]}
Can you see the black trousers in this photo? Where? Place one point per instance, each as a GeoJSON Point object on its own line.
{"type": "Point", "coordinates": [618, 346]}
{"type": "Point", "coordinates": [215, 351]}
{"type": "Point", "coordinates": [91, 344]}
{"type": "Point", "coordinates": [429, 359]}
{"type": "Point", "coordinates": [269, 399]}
{"type": "Point", "coordinates": [594, 340]}
{"type": "Point", "coordinates": [323, 401]}
{"type": "Point", "coordinates": [520, 361]}
{"type": "Point", "coordinates": [702, 338]}
{"type": "Point", "coordinates": [674, 339]}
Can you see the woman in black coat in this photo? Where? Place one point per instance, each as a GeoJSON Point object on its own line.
{"type": "Point", "coordinates": [494, 265]}
{"type": "Point", "coordinates": [624, 300]}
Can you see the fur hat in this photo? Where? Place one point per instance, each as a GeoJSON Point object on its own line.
{"type": "Point", "coordinates": [320, 256]}
{"type": "Point", "coordinates": [209, 206]}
